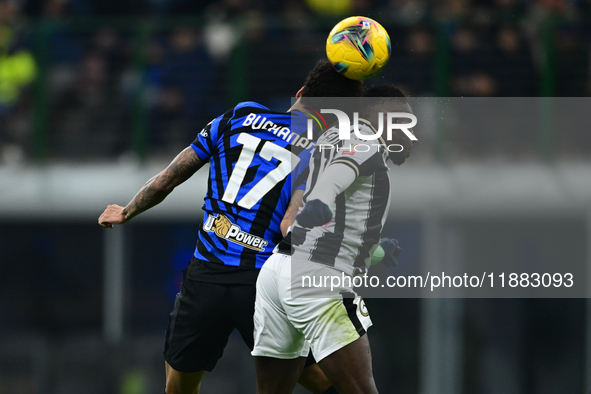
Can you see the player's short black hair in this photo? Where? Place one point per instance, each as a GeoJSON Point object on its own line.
{"type": "Point", "coordinates": [382, 94]}
{"type": "Point", "coordinates": [382, 97]}
{"type": "Point", "coordinates": [325, 81]}
{"type": "Point", "coordinates": [384, 91]}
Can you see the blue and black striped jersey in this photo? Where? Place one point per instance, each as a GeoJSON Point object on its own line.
{"type": "Point", "coordinates": [252, 152]}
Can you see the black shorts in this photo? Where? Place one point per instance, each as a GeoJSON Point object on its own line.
{"type": "Point", "coordinates": [203, 317]}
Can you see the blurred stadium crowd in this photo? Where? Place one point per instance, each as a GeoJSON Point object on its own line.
{"type": "Point", "coordinates": [106, 79]}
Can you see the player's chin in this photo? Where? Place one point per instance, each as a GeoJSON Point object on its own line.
{"type": "Point", "coordinates": [398, 158]}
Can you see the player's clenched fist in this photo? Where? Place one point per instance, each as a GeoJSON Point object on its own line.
{"type": "Point", "coordinates": [112, 215]}
{"type": "Point", "coordinates": [315, 213]}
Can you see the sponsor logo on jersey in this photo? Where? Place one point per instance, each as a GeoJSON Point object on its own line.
{"type": "Point", "coordinates": [221, 226]}
{"type": "Point", "coordinates": [204, 132]}
{"type": "Point", "coordinates": [351, 150]}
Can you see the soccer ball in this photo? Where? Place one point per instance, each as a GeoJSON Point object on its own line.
{"type": "Point", "coordinates": [358, 47]}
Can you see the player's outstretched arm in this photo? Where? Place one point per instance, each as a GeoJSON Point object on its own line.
{"type": "Point", "coordinates": [155, 190]}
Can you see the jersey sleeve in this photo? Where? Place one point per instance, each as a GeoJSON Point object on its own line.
{"type": "Point", "coordinates": [207, 139]}
{"type": "Point", "coordinates": [301, 170]}
{"type": "Point", "coordinates": [205, 142]}
{"type": "Point", "coordinates": [300, 181]}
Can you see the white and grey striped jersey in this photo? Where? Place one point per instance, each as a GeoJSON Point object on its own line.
{"type": "Point", "coordinates": [359, 213]}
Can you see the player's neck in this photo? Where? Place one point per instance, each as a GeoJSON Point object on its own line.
{"type": "Point", "coordinates": [297, 106]}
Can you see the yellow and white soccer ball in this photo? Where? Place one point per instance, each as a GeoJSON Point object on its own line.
{"type": "Point", "coordinates": [358, 47]}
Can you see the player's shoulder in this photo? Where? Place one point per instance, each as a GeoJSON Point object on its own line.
{"type": "Point", "coordinates": [250, 105]}
{"type": "Point", "coordinates": [368, 155]}
{"type": "Point", "coordinates": [379, 144]}
{"type": "Point", "coordinates": [364, 128]}
{"type": "Point", "coordinates": [244, 108]}
{"type": "Point", "coordinates": [247, 108]}
{"type": "Point", "coordinates": [330, 136]}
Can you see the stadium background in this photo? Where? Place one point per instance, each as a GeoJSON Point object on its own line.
{"type": "Point", "coordinates": [97, 96]}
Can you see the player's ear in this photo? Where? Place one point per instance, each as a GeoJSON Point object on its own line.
{"type": "Point", "coordinates": [299, 93]}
